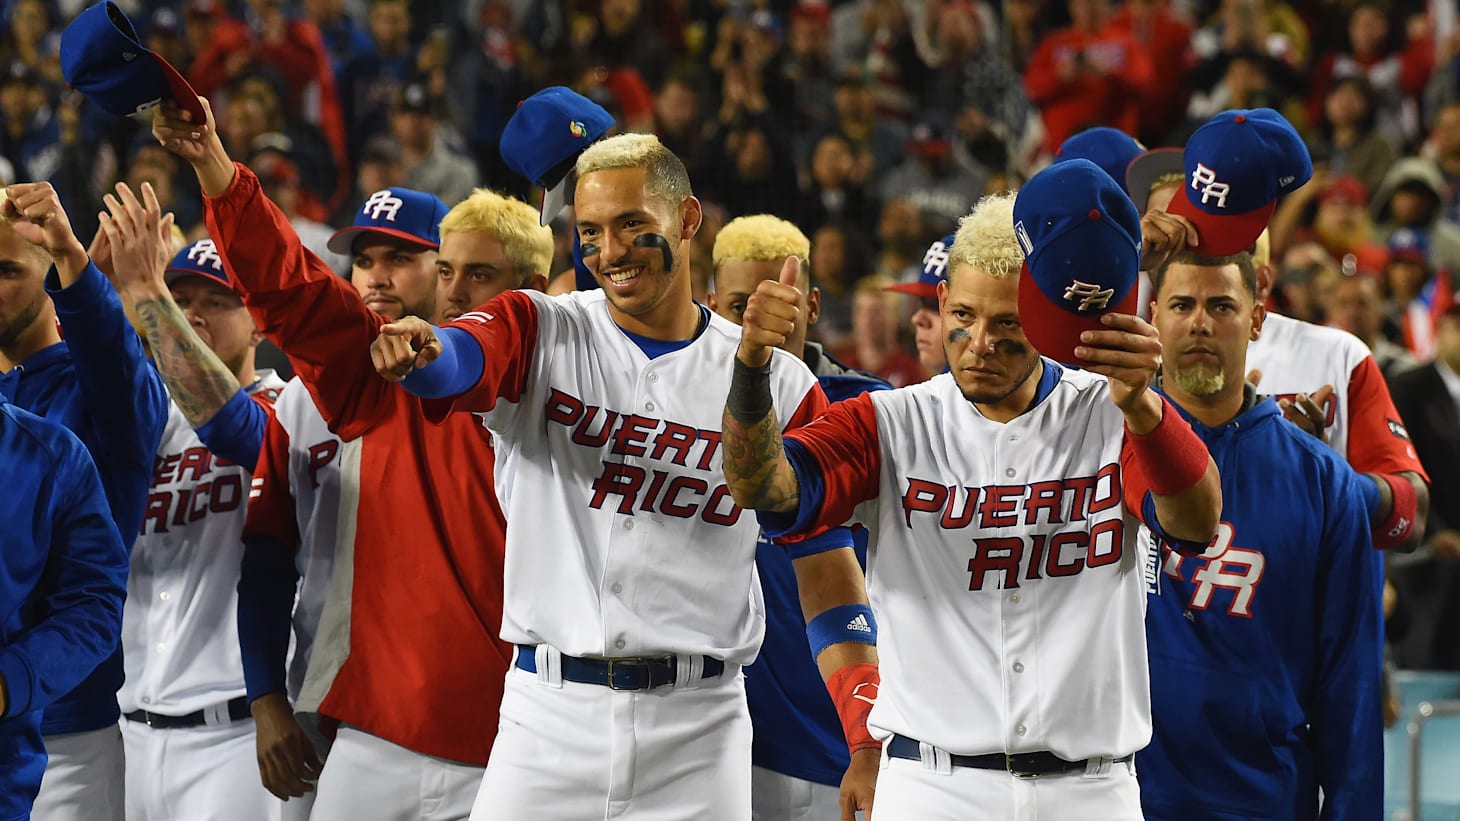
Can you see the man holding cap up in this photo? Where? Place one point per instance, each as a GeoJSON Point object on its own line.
{"type": "Point", "coordinates": [1003, 498]}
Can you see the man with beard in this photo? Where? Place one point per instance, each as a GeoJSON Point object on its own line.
{"type": "Point", "coordinates": [1263, 649]}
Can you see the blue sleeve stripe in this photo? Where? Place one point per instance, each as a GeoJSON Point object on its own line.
{"type": "Point", "coordinates": [236, 431]}
{"type": "Point", "coordinates": [812, 494]}
{"type": "Point", "coordinates": [456, 371]}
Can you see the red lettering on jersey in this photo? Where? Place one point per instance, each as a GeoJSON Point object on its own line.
{"type": "Point", "coordinates": [623, 480]}
{"type": "Point", "coordinates": [671, 505]}
{"type": "Point", "coordinates": [1035, 553]}
{"type": "Point", "coordinates": [320, 456]}
{"type": "Point", "coordinates": [1107, 542]}
{"type": "Point", "coordinates": [1078, 504]}
{"type": "Point", "coordinates": [1055, 565]}
{"type": "Point", "coordinates": [564, 409]}
{"type": "Point", "coordinates": [594, 440]}
{"type": "Point", "coordinates": [163, 468]}
{"type": "Point", "coordinates": [156, 512]}
{"type": "Point", "coordinates": [227, 494]}
{"type": "Point", "coordinates": [632, 431]}
{"type": "Point", "coordinates": [1107, 481]}
{"type": "Point", "coordinates": [922, 496]}
{"type": "Point", "coordinates": [1001, 553]}
{"type": "Point", "coordinates": [1000, 506]}
{"type": "Point", "coordinates": [180, 515]}
{"type": "Point", "coordinates": [952, 522]}
{"type": "Point", "coordinates": [649, 498]}
{"type": "Point", "coordinates": [201, 492]}
{"type": "Point", "coordinates": [676, 437]}
{"type": "Point", "coordinates": [712, 512]}
{"type": "Point", "coordinates": [198, 461]}
{"type": "Point", "coordinates": [711, 438]}
{"type": "Point", "coordinates": [1046, 497]}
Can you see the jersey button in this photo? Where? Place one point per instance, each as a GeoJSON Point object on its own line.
{"type": "Point", "coordinates": [1021, 729]}
{"type": "Point", "coordinates": [653, 377]}
{"type": "Point", "coordinates": [146, 700]}
{"type": "Point", "coordinates": [164, 595]}
{"type": "Point", "coordinates": [648, 406]}
{"type": "Point", "coordinates": [617, 588]}
{"type": "Point", "coordinates": [161, 647]}
{"type": "Point", "coordinates": [629, 525]}
{"type": "Point", "coordinates": [619, 644]}
{"type": "Point", "coordinates": [1009, 472]}
{"type": "Point", "coordinates": [1018, 666]}
{"type": "Point", "coordinates": [1014, 597]}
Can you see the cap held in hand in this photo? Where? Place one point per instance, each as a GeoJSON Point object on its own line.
{"type": "Point", "coordinates": [102, 58]}
{"type": "Point", "coordinates": [1081, 238]}
{"type": "Point", "coordinates": [544, 138]}
{"type": "Point", "coordinates": [1237, 165]}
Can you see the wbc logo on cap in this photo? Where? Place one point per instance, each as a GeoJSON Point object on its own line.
{"type": "Point", "coordinates": [1090, 296]}
{"type": "Point", "coordinates": [204, 252]}
{"type": "Point", "coordinates": [1205, 180]}
{"type": "Point", "coordinates": [383, 202]}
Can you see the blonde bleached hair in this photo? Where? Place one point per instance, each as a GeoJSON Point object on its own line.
{"type": "Point", "coordinates": [527, 243]}
{"type": "Point", "coordinates": [41, 254]}
{"type": "Point", "coordinates": [760, 238]}
{"type": "Point", "coordinates": [985, 238]}
{"type": "Point", "coordinates": [667, 178]}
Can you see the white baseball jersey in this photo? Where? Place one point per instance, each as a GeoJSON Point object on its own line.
{"type": "Point", "coordinates": [298, 481]}
{"type": "Point", "coordinates": [180, 623]}
{"type": "Point", "coordinates": [1004, 565]}
{"type": "Point", "coordinates": [625, 540]}
{"type": "Point", "coordinates": [1362, 424]}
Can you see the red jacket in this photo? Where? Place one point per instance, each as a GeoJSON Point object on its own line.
{"type": "Point", "coordinates": [1090, 98]}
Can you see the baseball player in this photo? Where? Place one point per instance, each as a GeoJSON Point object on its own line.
{"type": "Point", "coordinates": [632, 597]}
{"type": "Point", "coordinates": [1003, 499]}
{"type": "Point", "coordinates": [488, 244]}
{"type": "Point", "coordinates": [926, 321]}
{"type": "Point", "coordinates": [800, 752]}
{"type": "Point", "coordinates": [392, 757]}
{"type": "Point", "coordinates": [98, 385]}
{"type": "Point", "coordinates": [62, 580]}
{"type": "Point", "coordinates": [188, 738]}
{"type": "Point", "coordinates": [1264, 690]}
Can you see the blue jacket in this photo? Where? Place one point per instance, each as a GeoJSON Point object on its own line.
{"type": "Point", "coordinates": [99, 385]}
{"type": "Point", "coordinates": [1265, 660]}
{"type": "Point", "coordinates": [796, 728]}
{"type": "Point", "coordinates": [63, 576]}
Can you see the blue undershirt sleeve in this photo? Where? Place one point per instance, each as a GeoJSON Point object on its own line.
{"type": "Point", "coordinates": [456, 371]}
{"type": "Point", "coordinates": [266, 586]}
{"type": "Point", "coordinates": [812, 494]}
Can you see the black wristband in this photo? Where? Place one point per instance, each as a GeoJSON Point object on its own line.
{"type": "Point", "coordinates": [750, 393]}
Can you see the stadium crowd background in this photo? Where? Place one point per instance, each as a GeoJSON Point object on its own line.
{"type": "Point", "coordinates": [872, 124]}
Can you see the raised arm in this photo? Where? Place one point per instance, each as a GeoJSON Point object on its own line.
{"type": "Point", "coordinates": [759, 475]}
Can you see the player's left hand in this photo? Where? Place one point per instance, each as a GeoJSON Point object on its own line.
{"type": "Point", "coordinates": [859, 784]}
{"type": "Point", "coordinates": [35, 213]}
{"type": "Point", "coordinates": [137, 236]}
{"type": "Point", "coordinates": [1128, 353]}
{"type": "Point", "coordinates": [1306, 411]}
{"type": "Point", "coordinates": [402, 346]}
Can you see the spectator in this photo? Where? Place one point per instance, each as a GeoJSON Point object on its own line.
{"type": "Point", "coordinates": [834, 195]}
{"type": "Point", "coordinates": [343, 38]}
{"type": "Point", "coordinates": [1348, 140]}
{"type": "Point", "coordinates": [877, 143]}
{"type": "Point", "coordinates": [279, 179]}
{"type": "Point", "coordinates": [749, 171]}
{"type": "Point", "coordinates": [1088, 74]}
{"type": "Point", "coordinates": [1445, 142]}
{"type": "Point", "coordinates": [381, 166]}
{"type": "Point", "coordinates": [839, 259]}
{"type": "Point", "coordinates": [1332, 211]}
{"type": "Point", "coordinates": [901, 237]}
{"type": "Point", "coordinates": [1248, 79]}
{"type": "Point", "coordinates": [1357, 306]}
{"type": "Point", "coordinates": [432, 164]}
{"type": "Point", "coordinates": [1306, 274]}
{"type": "Point", "coordinates": [31, 130]}
{"type": "Point", "coordinates": [623, 36]}
{"type": "Point", "coordinates": [1417, 293]}
{"type": "Point", "coordinates": [1025, 24]}
{"type": "Point", "coordinates": [371, 80]}
{"type": "Point", "coordinates": [942, 189]}
{"type": "Point", "coordinates": [677, 120]}
{"type": "Point", "coordinates": [875, 346]}
{"type": "Point", "coordinates": [1167, 39]}
{"type": "Point", "coordinates": [1398, 75]}
{"type": "Point", "coordinates": [805, 71]}
{"type": "Point", "coordinates": [1272, 29]}
{"type": "Point", "coordinates": [30, 40]}
{"type": "Point", "coordinates": [1412, 195]}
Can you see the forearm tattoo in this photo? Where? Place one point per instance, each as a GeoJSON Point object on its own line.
{"type": "Point", "coordinates": [196, 378]}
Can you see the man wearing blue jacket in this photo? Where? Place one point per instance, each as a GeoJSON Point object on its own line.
{"type": "Point", "coordinates": [1264, 650]}
{"type": "Point", "coordinates": [98, 384]}
{"type": "Point", "coordinates": [63, 574]}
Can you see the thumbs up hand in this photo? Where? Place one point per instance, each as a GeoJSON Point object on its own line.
{"type": "Point", "coordinates": [771, 315]}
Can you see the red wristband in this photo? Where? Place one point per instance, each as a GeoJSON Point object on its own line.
{"type": "Point", "coordinates": [853, 690]}
{"type": "Point", "coordinates": [1396, 529]}
{"type": "Point", "coordinates": [1172, 457]}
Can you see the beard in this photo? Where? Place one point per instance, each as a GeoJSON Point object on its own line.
{"type": "Point", "coordinates": [1200, 380]}
{"type": "Point", "coordinates": [10, 331]}
{"type": "Point", "coordinates": [994, 395]}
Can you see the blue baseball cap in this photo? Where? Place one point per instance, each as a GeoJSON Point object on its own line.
{"type": "Point", "coordinates": [544, 138]}
{"type": "Point", "coordinates": [414, 216]}
{"type": "Point", "coordinates": [102, 58]}
{"type": "Point", "coordinates": [1081, 238]}
{"type": "Point", "coordinates": [1409, 245]}
{"type": "Point", "coordinates": [935, 270]}
{"type": "Point", "coordinates": [1110, 148]}
{"type": "Point", "coordinates": [201, 259]}
{"type": "Point", "coordinates": [1237, 165]}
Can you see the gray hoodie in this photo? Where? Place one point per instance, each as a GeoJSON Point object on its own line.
{"type": "Point", "coordinates": [1444, 238]}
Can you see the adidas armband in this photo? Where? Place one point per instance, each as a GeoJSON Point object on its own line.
{"type": "Point", "coordinates": [847, 623]}
{"type": "Point", "coordinates": [854, 692]}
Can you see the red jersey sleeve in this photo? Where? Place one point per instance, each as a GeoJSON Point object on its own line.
{"type": "Point", "coordinates": [506, 328]}
{"type": "Point", "coordinates": [270, 499]}
{"type": "Point", "coordinates": [1377, 439]}
{"type": "Point", "coordinates": [838, 457]}
{"type": "Point", "coordinates": [314, 316]}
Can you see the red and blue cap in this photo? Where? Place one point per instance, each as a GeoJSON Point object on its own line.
{"type": "Point", "coordinates": [102, 58]}
{"type": "Point", "coordinates": [935, 270]}
{"type": "Point", "coordinates": [200, 259]}
{"type": "Point", "coordinates": [414, 216]}
{"type": "Point", "coordinates": [1110, 148]}
{"type": "Point", "coordinates": [1081, 238]}
{"type": "Point", "coordinates": [544, 137]}
{"type": "Point", "coordinates": [1237, 165]}
{"type": "Point", "coordinates": [1409, 245]}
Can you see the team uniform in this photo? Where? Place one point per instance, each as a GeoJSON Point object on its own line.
{"type": "Point", "coordinates": [799, 753]}
{"type": "Point", "coordinates": [187, 729]}
{"type": "Point", "coordinates": [991, 546]}
{"type": "Point", "coordinates": [406, 663]}
{"type": "Point", "coordinates": [62, 579]}
{"type": "Point", "coordinates": [99, 385]}
{"type": "Point", "coordinates": [613, 442]}
{"type": "Point", "coordinates": [1264, 688]}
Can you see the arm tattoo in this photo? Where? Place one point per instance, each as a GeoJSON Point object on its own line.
{"type": "Point", "coordinates": [756, 467]}
{"type": "Point", "coordinates": [196, 378]}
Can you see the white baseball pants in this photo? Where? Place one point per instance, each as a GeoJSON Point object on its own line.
{"type": "Point", "coordinates": [778, 797]}
{"type": "Point", "coordinates": [85, 777]}
{"type": "Point", "coordinates": [208, 773]}
{"type": "Point", "coordinates": [578, 752]}
{"type": "Point", "coordinates": [367, 778]}
{"type": "Point", "coordinates": [922, 791]}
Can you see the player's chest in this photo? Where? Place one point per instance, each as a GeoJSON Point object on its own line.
{"type": "Point", "coordinates": [190, 486]}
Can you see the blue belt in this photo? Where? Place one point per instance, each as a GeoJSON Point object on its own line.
{"type": "Point", "coordinates": [1019, 765]}
{"type": "Point", "coordinates": [617, 674]}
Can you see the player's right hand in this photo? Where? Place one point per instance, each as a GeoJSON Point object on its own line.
{"type": "Point", "coordinates": [288, 763]}
{"type": "Point", "coordinates": [402, 346]}
{"type": "Point", "coordinates": [859, 784]}
{"type": "Point", "coordinates": [1163, 236]}
{"type": "Point", "coordinates": [770, 315]}
{"type": "Point", "coordinates": [175, 130]}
